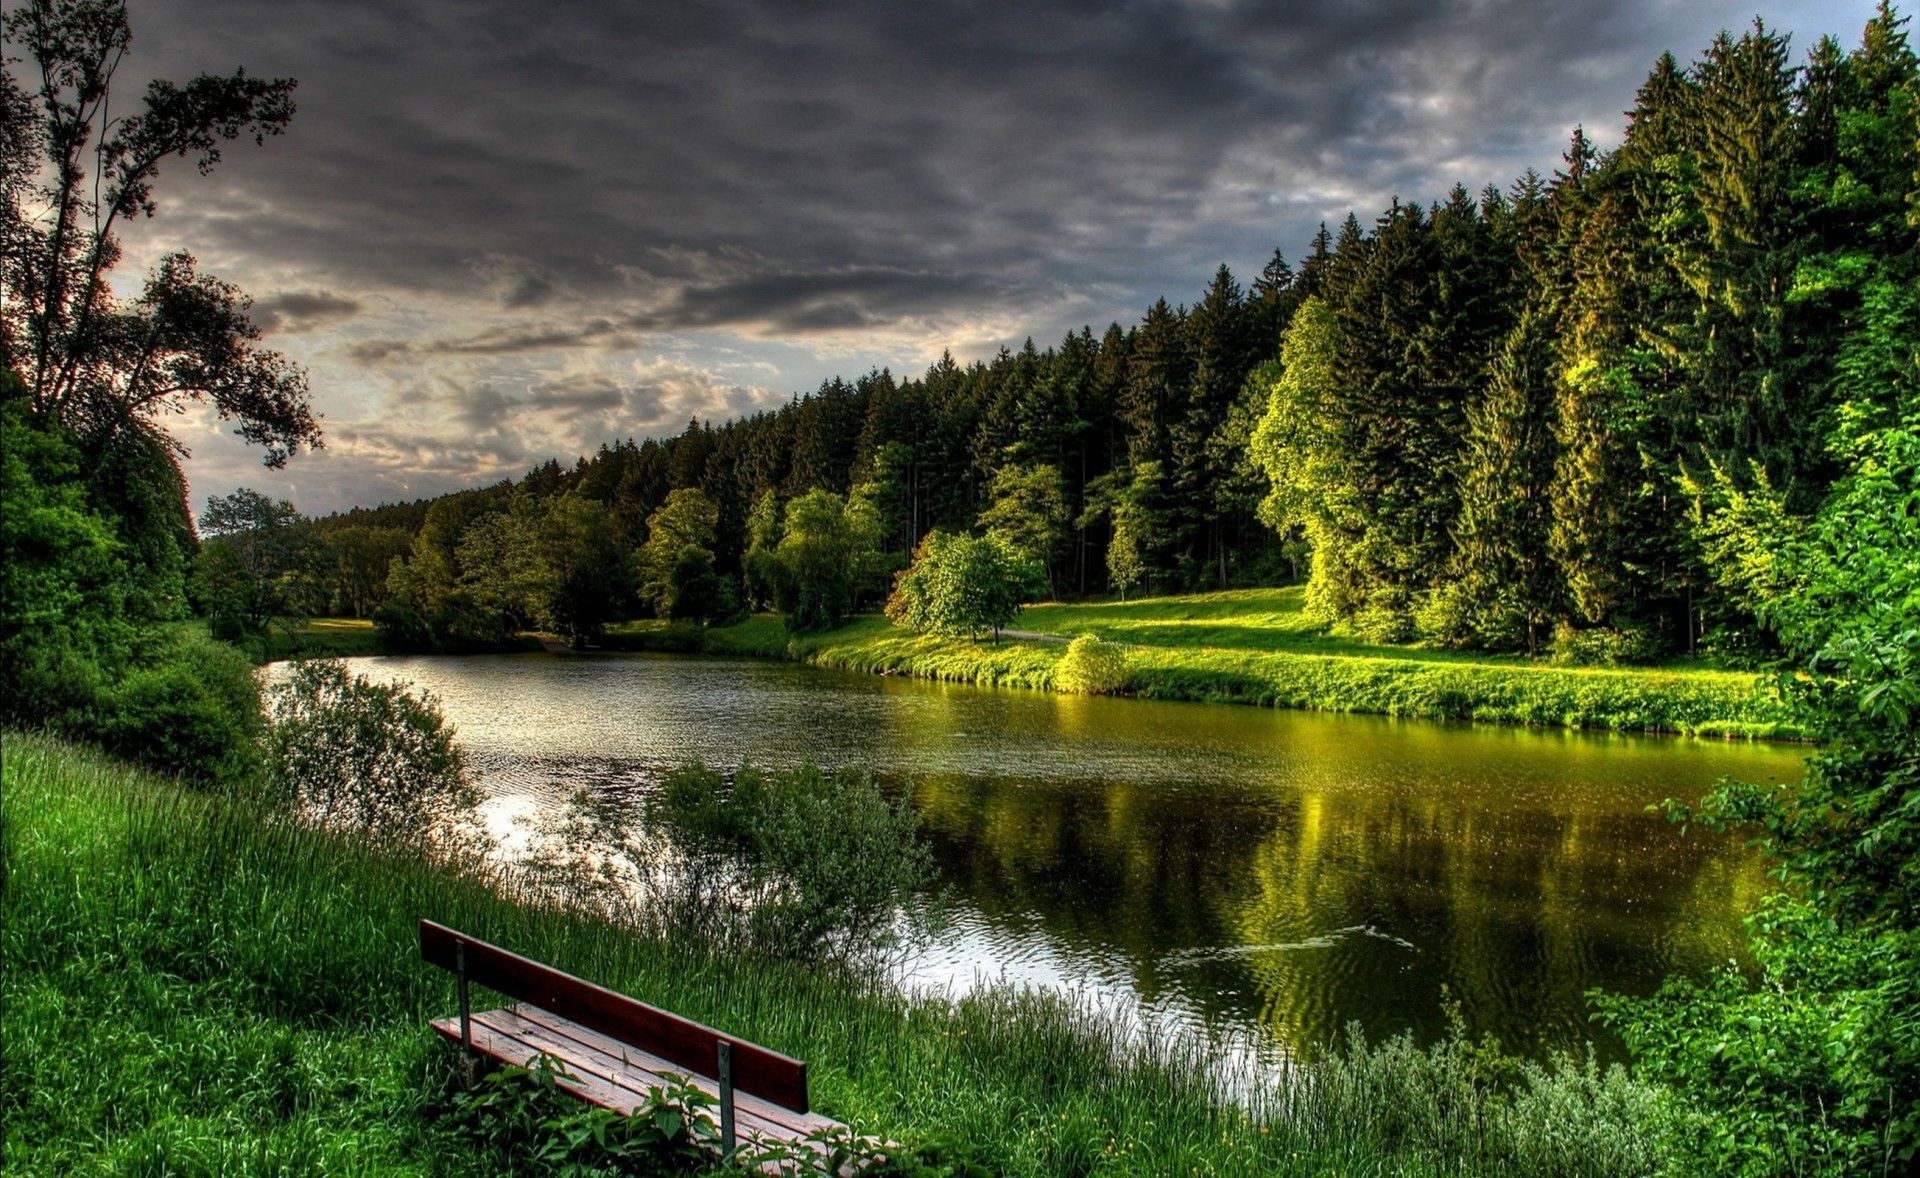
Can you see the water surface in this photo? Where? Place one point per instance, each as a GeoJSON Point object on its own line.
{"type": "Point", "coordinates": [1223, 867]}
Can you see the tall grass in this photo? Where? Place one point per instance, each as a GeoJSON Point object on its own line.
{"type": "Point", "coordinates": [196, 986]}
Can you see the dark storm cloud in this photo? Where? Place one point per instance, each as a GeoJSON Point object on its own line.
{"type": "Point", "coordinates": [537, 155]}
{"type": "Point", "coordinates": [297, 311]}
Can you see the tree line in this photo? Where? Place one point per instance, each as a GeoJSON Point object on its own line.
{"type": "Point", "coordinates": [1495, 420]}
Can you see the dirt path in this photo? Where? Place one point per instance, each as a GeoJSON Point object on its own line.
{"type": "Point", "coordinates": [1033, 636]}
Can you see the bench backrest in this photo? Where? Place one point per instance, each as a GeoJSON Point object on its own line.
{"type": "Point", "coordinates": [767, 1074]}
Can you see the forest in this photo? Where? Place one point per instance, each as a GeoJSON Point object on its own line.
{"type": "Point", "coordinates": [1497, 420]}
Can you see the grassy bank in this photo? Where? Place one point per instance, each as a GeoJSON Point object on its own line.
{"type": "Point", "coordinates": [194, 987]}
{"type": "Point", "coordinates": [1258, 647]}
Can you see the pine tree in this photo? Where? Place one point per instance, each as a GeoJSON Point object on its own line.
{"type": "Point", "coordinates": [1503, 591]}
{"type": "Point", "coordinates": [1219, 352]}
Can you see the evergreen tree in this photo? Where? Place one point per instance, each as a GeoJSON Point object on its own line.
{"type": "Point", "coordinates": [1503, 591]}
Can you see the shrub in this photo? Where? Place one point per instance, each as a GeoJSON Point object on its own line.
{"type": "Point", "coordinates": [960, 584]}
{"type": "Point", "coordinates": [64, 581]}
{"type": "Point", "coordinates": [1385, 623]}
{"type": "Point", "coordinates": [1811, 1069]}
{"type": "Point", "coordinates": [1620, 647]}
{"type": "Point", "coordinates": [191, 709]}
{"type": "Point", "coordinates": [800, 862]}
{"type": "Point", "coordinates": [524, 1113]}
{"type": "Point", "coordinates": [1092, 667]}
{"type": "Point", "coordinates": [371, 759]}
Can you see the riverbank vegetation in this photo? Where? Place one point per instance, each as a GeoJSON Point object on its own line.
{"type": "Point", "coordinates": [262, 1009]}
{"type": "Point", "coordinates": [1260, 647]}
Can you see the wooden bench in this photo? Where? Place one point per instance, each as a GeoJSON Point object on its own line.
{"type": "Point", "coordinates": [617, 1050]}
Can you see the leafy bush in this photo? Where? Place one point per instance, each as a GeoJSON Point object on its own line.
{"type": "Point", "coordinates": [1092, 667]}
{"type": "Point", "coordinates": [1623, 646]}
{"type": "Point", "coordinates": [64, 583]}
{"type": "Point", "coordinates": [192, 708]}
{"type": "Point", "coordinates": [525, 1113]}
{"type": "Point", "coordinates": [798, 862]}
{"type": "Point", "coordinates": [1809, 1070]}
{"type": "Point", "coordinates": [371, 759]}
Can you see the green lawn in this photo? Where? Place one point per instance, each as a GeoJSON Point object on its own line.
{"type": "Point", "coordinates": [1257, 646]}
{"type": "Point", "coordinates": [1242, 619]}
{"type": "Point", "coordinates": [338, 637]}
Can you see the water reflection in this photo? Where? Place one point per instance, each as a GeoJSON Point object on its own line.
{"type": "Point", "coordinates": [1227, 866]}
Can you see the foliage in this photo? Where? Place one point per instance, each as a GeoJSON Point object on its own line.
{"type": "Point", "coordinates": [1092, 667]}
{"type": "Point", "coordinates": [1811, 1069]}
{"type": "Point", "coordinates": [486, 564]}
{"type": "Point", "coordinates": [762, 568]}
{"type": "Point", "coordinates": [825, 556]}
{"type": "Point", "coordinates": [963, 585]}
{"type": "Point", "coordinates": [525, 1114]}
{"type": "Point", "coordinates": [188, 706]}
{"type": "Point", "coordinates": [370, 759]}
{"type": "Point", "coordinates": [1605, 647]}
{"type": "Point", "coordinates": [694, 591]}
{"type": "Point", "coordinates": [257, 566]}
{"type": "Point", "coordinates": [579, 573]}
{"type": "Point", "coordinates": [685, 521]}
{"type": "Point", "coordinates": [1028, 513]}
{"type": "Point", "coordinates": [813, 863]}
{"type": "Point", "coordinates": [64, 586]}
{"type": "Point", "coordinates": [1814, 1066]}
{"type": "Point", "coordinates": [92, 362]}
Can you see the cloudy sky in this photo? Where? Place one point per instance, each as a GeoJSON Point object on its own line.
{"type": "Point", "coordinates": [502, 231]}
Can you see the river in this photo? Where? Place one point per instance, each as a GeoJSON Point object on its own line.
{"type": "Point", "coordinates": [1228, 869]}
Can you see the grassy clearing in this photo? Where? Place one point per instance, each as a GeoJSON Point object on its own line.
{"type": "Point", "coordinates": [196, 987]}
{"type": "Point", "coordinates": [1256, 646]}
{"type": "Point", "coordinates": [338, 638]}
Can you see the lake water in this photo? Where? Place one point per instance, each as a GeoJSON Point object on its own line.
{"type": "Point", "coordinates": [1214, 867]}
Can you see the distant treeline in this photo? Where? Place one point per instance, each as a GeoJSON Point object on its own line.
{"type": "Point", "coordinates": [1479, 421]}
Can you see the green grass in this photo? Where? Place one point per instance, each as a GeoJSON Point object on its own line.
{"type": "Point", "coordinates": [1257, 646]}
{"type": "Point", "coordinates": [338, 638]}
{"type": "Point", "coordinates": [195, 986]}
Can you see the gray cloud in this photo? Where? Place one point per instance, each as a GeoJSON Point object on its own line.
{"type": "Point", "coordinates": [515, 185]}
{"type": "Point", "coordinates": [296, 311]}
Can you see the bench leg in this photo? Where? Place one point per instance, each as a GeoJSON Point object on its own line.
{"type": "Point", "coordinates": [724, 1073]}
{"type": "Point", "coordinates": [466, 1013]}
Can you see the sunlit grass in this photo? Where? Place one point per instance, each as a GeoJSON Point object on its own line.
{"type": "Point", "coordinates": [195, 987]}
{"type": "Point", "coordinates": [1257, 646]}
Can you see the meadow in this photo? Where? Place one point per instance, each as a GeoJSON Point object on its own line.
{"type": "Point", "coordinates": [1258, 646]}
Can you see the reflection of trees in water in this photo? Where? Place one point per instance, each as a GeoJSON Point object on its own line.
{"type": "Point", "coordinates": [1305, 911]}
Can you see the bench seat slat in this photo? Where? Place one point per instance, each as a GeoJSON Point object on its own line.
{"type": "Point", "coordinates": [636, 1075]}
{"type": "Point", "coordinates": [614, 1051]}
{"type": "Point", "coordinates": [764, 1072]}
{"type": "Point", "coordinates": [620, 1087]}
